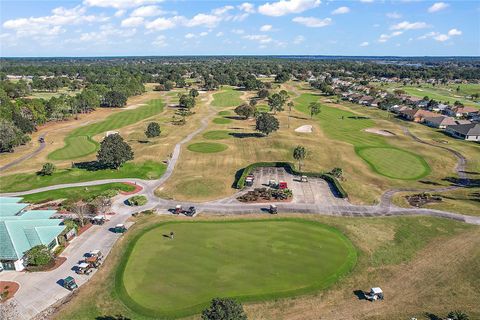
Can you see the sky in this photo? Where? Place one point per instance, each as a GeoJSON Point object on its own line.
{"type": "Point", "coordinates": [274, 27]}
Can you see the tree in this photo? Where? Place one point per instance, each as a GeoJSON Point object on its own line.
{"type": "Point", "coordinates": [38, 256]}
{"type": "Point", "coordinates": [193, 93]}
{"type": "Point", "coordinates": [153, 130]}
{"type": "Point", "coordinates": [186, 101]}
{"type": "Point", "coordinates": [114, 151]}
{"type": "Point", "coordinates": [282, 77]}
{"type": "Point", "coordinates": [81, 211]}
{"type": "Point", "coordinates": [10, 136]}
{"type": "Point", "coordinates": [337, 172]}
{"type": "Point", "coordinates": [262, 93]}
{"type": "Point", "coordinates": [245, 110]}
{"type": "Point", "coordinates": [299, 154]}
{"type": "Point", "coordinates": [114, 99]}
{"type": "Point", "coordinates": [290, 105]}
{"type": "Point", "coordinates": [458, 315]}
{"type": "Point", "coordinates": [276, 102]}
{"type": "Point", "coordinates": [102, 204]}
{"type": "Point", "coordinates": [47, 169]}
{"type": "Point", "coordinates": [266, 123]}
{"type": "Point", "coordinates": [224, 309]}
{"type": "Point", "coordinates": [315, 108]}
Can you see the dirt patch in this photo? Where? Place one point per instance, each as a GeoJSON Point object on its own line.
{"type": "Point", "coordinates": [304, 129]}
{"type": "Point", "coordinates": [381, 132]}
{"type": "Point", "coordinates": [8, 290]}
{"type": "Point", "coordinates": [137, 189]}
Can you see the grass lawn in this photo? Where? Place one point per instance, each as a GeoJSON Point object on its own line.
{"type": "Point", "coordinates": [382, 157]}
{"type": "Point", "coordinates": [217, 135]}
{"type": "Point", "coordinates": [224, 113]}
{"type": "Point", "coordinates": [249, 260]}
{"type": "Point", "coordinates": [28, 181]}
{"type": "Point", "coordinates": [76, 193]}
{"type": "Point", "coordinates": [79, 142]}
{"type": "Point", "coordinates": [207, 147]}
{"type": "Point", "coordinates": [263, 108]}
{"type": "Point", "coordinates": [227, 97]}
{"type": "Point", "coordinates": [221, 121]}
{"type": "Point", "coordinates": [406, 256]}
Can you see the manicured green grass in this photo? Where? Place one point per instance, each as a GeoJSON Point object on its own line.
{"type": "Point", "coordinates": [224, 113]}
{"type": "Point", "coordinates": [394, 163]}
{"type": "Point", "coordinates": [227, 97]}
{"type": "Point", "coordinates": [217, 135]}
{"type": "Point", "coordinates": [28, 181]}
{"type": "Point", "coordinates": [263, 108]}
{"type": "Point", "coordinates": [79, 142]}
{"type": "Point", "coordinates": [221, 121]}
{"type": "Point", "coordinates": [248, 260]}
{"type": "Point", "coordinates": [346, 126]}
{"type": "Point", "coordinates": [207, 147]}
{"type": "Point", "coordinates": [76, 193]}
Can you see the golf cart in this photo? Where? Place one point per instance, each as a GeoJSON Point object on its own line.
{"type": "Point", "coordinates": [374, 294]}
{"type": "Point", "coordinates": [99, 220]}
{"type": "Point", "coordinates": [282, 185]}
{"type": "Point", "coordinates": [93, 261]}
{"type": "Point", "coordinates": [304, 179]}
{"type": "Point", "coordinates": [84, 268]}
{"type": "Point", "coordinates": [120, 228]}
{"type": "Point", "coordinates": [249, 180]}
{"type": "Point", "coordinates": [96, 253]}
{"type": "Point", "coordinates": [272, 183]}
{"type": "Point", "coordinates": [190, 212]}
{"type": "Point", "coordinates": [178, 209]}
{"type": "Point", "coordinates": [41, 140]}
{"type": "Point", "coordinates": [69, 283]}
{"type": "Point", "coordinates": [273, 209]}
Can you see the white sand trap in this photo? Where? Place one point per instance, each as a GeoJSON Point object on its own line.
{"type": "Point", "coordinates": [304, 129]}
{"type": "Point", "coordinates": [380, 132]}
{"type": "Point", "coordinates": [134, 106]}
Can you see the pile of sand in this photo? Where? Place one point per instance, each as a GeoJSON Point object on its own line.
{"type": "Point", "coordinates": [304, 129]}
{"type": "Point", "coordinates": [380, 132]}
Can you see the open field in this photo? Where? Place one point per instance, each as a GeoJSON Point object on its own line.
{"type": "Point", "coordinates": [440, 93]}
{"type": "Point", "coordinates": [227, 97]}
{"type": "Point", "coordinates": [47, 95]}
{"type": "Point", "coordinates": [465, 200]}
{"type": "Point", "coordinates": [27, 181]}
{"type": "Point", "coordinates": [79, 142]}
{"type": "Point", "coordinates": [206, 260]}
{"type": "Point", "coordinates": [374, 149]}
{"type": "Point", "coordinates": [409, 257]}
{"type": "Point", "coordinates": [76, 193]}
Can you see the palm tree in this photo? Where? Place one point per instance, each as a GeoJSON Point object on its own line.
{"type": "Point", "coordinates": [458, 315]}
{"type": "Point", "coordinates": [299, 154]}
{"type": "Point", "coordinates": [315, 108]}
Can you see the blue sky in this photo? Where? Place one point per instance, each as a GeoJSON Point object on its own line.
{"type": "Point", "coordinates": [156, 27]}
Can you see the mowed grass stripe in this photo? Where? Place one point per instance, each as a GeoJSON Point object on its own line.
{"type": "Point", "coordinates": [79, 143]}
{"type": "Point", "coordinates": [228, 97]}
{"type": "Point", "coordinates": [349, 127]}
{"type": "Point", "coordinates": [248, 260]}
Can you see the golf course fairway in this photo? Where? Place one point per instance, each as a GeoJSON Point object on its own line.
{"type": "Point", "coordinates": [248, 260]}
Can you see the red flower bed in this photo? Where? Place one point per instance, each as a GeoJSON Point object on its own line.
{"type": "Point", "coordinates": [137, 189]}
{"type": "Point", "coordinates": [8, 289]}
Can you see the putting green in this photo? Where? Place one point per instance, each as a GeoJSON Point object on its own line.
{"type": "Point", "coordinates": [224, 113]}
{"type": "Point", "coordinates": [228, 97]}
{"type": "Point", "coordinates": [221, 120]}
{"type": "Point", "coordinates": [79, 142]}
{"type": "Point", "coordinates": [207, 147]}
{"type": "Point", "coordinates": [248, 260]}
{"type": "Point", "coordinates": [395, 163]}
{"type": "Point", "coordinates": [217, 135]}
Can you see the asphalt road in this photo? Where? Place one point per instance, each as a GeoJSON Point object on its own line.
{"type": "Point", "coordinates": [27, 156]}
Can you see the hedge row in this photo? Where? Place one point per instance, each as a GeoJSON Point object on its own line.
{"type": "Point", "coordinates": [240, 183]}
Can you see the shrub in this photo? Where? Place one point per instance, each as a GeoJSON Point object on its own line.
{"type": "Point", "coordinates": [38, 256]}
{"type": "Point", "coordinates": [224, 309]}
{"type": "Point", "coordinates": [47, 169]}
{"type": "Point", "coordinates": [137, 201]}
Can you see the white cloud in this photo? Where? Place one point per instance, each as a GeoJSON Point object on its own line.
{"type": "Point", "coordinates": [393, 15]}
{"type": "Point", "coordinates": [203, 34]}
{"type": "Point", "coordinates": [160, 41]}
{"type": "Point", "coordinates": [283, 7]}
{"type": "Point", "coordinates": [364, 44]}
{"type": "Point", "coordinates": [366, 1]}
{"type": "Point", "coordinates": [219, 34]}
{"type": "Point", "coordinates": [405, 25]}
{"type": "Point", "coordinates": [454, 32]}
{"type": "Point", "coordinates": [189, 36]}
{"type": "Point", "coordinates": [437, 6]}
{"type": "Point", "coordinates": [247, 7]}
{"type": "Point", "coordinates": [163, 23]}
{"type": "Point", "coordinates": [105, 34]}
{"type": "Point", "coordinates": [120, 13]}
{"type": "Point", "coordinates": [266, 28]}
{"type": "Point", "coordinates": [203, 19]}
{"type": "Point", "coordinates": [222, 10]}
{"type": "Point", "coordinates": [238, 31]}
{"type": "Point", "coordinates": [261, 38]}
{"type": "Point", "coordinates": [118, 4]}
{"type": "Point", "coordinates": [312, 22]}
{"type": "Point", "coordinates": [386, 37]}
{"type": "Point", "coordinates": [441, 37]}
{"type": "Point", "coordinates": [147, 11]}
{"type": "Point", "coordinates": [341, 10]}
{"type": "Point", "coordinates": [132, 22]}
{"type": "Point", "coordinates": [299, 39]}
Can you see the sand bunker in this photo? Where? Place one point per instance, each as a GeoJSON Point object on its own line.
{"type": "Point", "coordinates": [380, 132]}
{"type": "Point", "coordinates": [305, 129]}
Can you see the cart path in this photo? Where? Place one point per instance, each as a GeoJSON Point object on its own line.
{"type": "Point", "coordinates": [27, 156]}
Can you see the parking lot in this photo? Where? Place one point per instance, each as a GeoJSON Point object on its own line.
{"type": "Point", "coordinates": [315, 191]}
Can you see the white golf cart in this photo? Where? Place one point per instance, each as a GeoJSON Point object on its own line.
{"type": "Point", "coordinates": [375, 294]}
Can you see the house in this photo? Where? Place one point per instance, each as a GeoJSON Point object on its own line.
{"type": "Point", "coordinates": [375, 103]}
{"type": "Point", "coordinates": [397, 109]}
{"type": "Point", "coordinates": [463, 112]}
{"type": "Point", "coordinates": [22, 229]}
{"type": "Point", "coordinates": [439, 108]}
{"type": "Point", "coordinates": [442, 122]}
{"type": "Point", "coordinates": [412, 100]}
{"type": "Point", "coordinates": [469, 132]}
{"type": "Point", "coordinates": [422, 104]}
{"type": "Point", "coordinates": [366, 100]}
{"type": "Point", "coordinates": [416, 115]}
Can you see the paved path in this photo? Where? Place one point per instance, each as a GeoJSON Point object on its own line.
{"type": "Point", "coordinates": [27, 156]}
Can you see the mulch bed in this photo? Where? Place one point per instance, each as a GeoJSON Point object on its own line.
{"type": "Point", "coordinates": [421, 199]}
{"type": "Point", "coordinates": [137, 189]}
{"type": "Point", "coordinates": [57, 262]}
{"type": "Point", "coordinates": [10, 287]}
{"type": "Point", "coordinates": [83, 229]}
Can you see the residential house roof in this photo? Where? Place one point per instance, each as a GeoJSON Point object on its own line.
{"type": "Point", "coordinates": [464, 110]}
{"type": "Point", "coordinates": [471, 129]}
